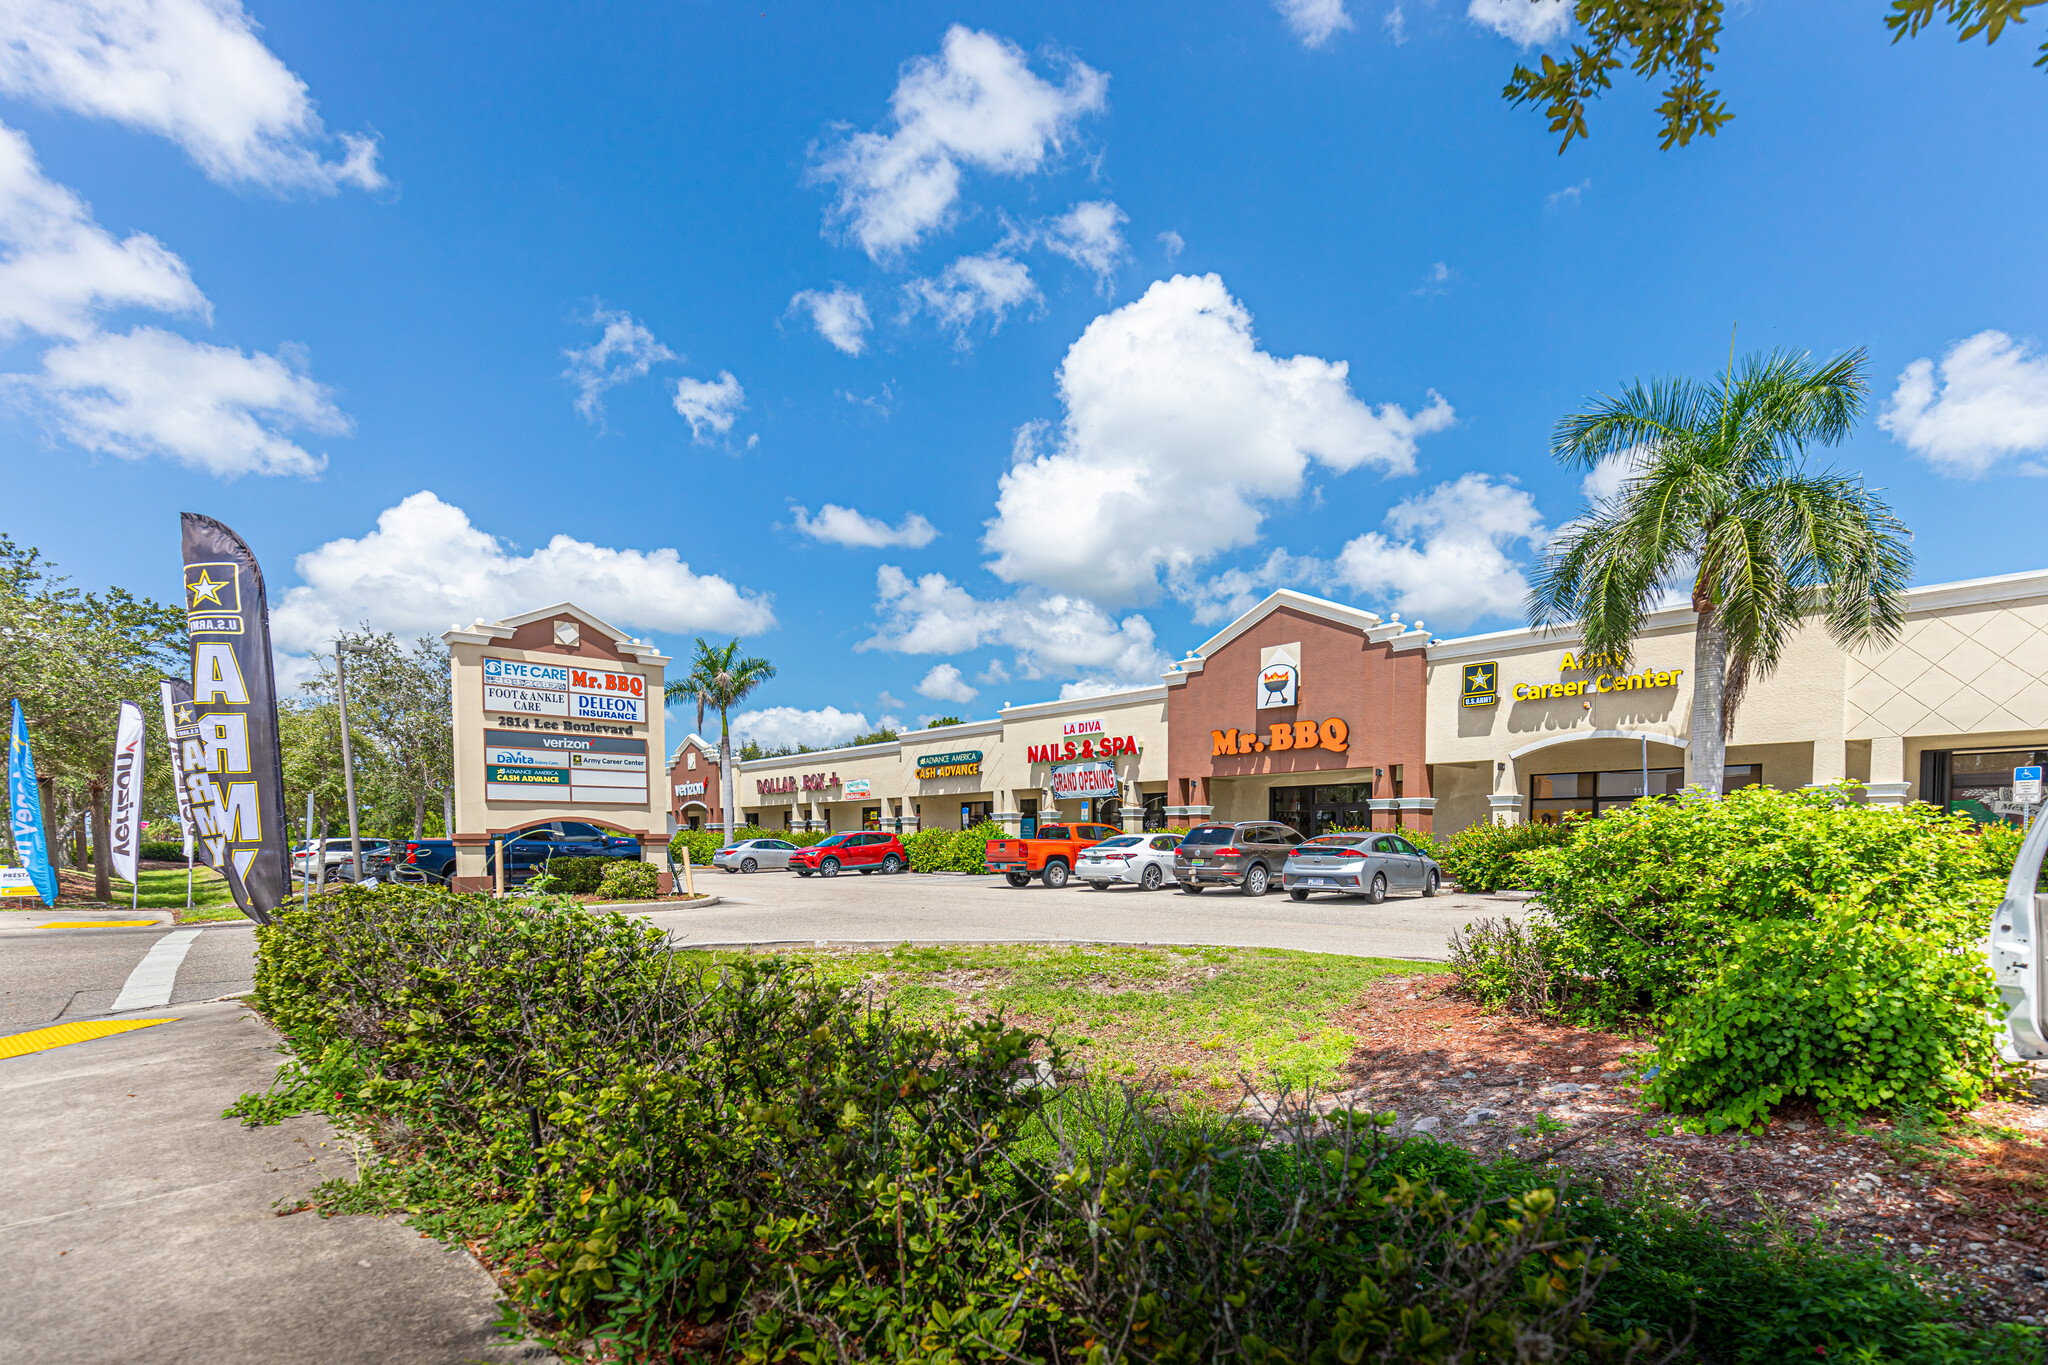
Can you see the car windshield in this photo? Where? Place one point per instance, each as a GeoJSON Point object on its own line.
{"type": "Point", "coordinates": [1122, 841]}
{"type": "Point", "coordinates": [1210, 834]}
{"type": "Point", "coordinates": [834, 840]}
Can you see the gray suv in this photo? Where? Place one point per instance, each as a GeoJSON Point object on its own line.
{"type": "Point", "coordinates": [1247, 855]}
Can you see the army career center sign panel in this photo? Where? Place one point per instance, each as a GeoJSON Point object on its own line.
{"type": "Point", "coordinates": [535, 689]}
{"type": "Point", "coordinates": [578, 768]}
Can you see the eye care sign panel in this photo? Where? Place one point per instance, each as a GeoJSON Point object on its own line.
{"type": "Point", "coordinates": [535, 689]}
{"type": "Point", "coordinates": [577, 768]}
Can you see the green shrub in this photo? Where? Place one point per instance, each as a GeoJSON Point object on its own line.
{"type": "Point", "coordinates": [675, 1161]}
{"type": "Point", "coordinates": [577, 876]}
{"type": "Point", "coordinates": [1642, 905]}
{"type": "Point", "coordinates": [702, 843]}
{"type": "Point", "coordinates": [1488, 857]}
{"type": "Point", "coordinates": [946, 850]}
{"type": "Point", "coordinates": [165, 852]}
{"type": "Point", "coordinates": [1503, 965]}
{"type": "Point", "coordinates": [1846, 1009]}
{"type": "Point", "coordinates": [630, 881]}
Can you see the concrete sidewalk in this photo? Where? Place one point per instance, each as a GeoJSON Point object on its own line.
{"type": "Point", "coordinates": [137, 1225]}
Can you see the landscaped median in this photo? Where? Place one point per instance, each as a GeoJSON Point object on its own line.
{"type": "Point", "coordinates": [672, 1156]}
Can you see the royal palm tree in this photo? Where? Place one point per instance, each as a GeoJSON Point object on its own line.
{"type": "Point", "coordinates": [720, 679]}
{"type": "Point", "coordinates": [1715, 495]}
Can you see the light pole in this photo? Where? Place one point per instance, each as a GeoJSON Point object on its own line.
{"type": "Point", "coordinates": [348, 764]}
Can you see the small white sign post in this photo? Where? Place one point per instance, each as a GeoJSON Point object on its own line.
{"type": "Point", "coordinates": [2026, 791]}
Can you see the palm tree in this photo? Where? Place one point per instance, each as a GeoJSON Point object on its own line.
{"type": "Point", "coordinates": [719, 678]}
{"type": "Point", "coordinates": [1716, 492]}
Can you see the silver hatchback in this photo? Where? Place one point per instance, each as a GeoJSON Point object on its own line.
{"type": "Point", "coordinates": [1368, 865]}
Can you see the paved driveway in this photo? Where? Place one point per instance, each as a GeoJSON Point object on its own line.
{"type": "Point", "coordinates": [780, 907]}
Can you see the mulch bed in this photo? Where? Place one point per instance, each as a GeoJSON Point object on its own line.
{"type": "Point", "coordinates": [1963, 1207]}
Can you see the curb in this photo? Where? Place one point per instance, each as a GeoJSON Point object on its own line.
{"type": "Point", "coordinates": [649, 907]}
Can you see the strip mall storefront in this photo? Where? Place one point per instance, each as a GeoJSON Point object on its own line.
{"type": "Point", "coordinates": [1326, 717]}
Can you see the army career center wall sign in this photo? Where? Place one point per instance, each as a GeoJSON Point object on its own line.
{"type": "Point", "coordinates": [227, 730]}
{"type": "Point", "coordinates": [523, 766]}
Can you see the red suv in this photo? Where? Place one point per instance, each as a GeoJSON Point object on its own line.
{"type": "Point", "coordinates": [864, 853]}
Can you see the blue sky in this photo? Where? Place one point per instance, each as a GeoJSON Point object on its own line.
{"type": "Point", "coordinates": [1093, 322]}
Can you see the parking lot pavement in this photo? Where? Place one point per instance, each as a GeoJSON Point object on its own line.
{"type": "Point", "coordinates": [781, 908]}
{"type": "Point", "coordinates": [136, 1224]}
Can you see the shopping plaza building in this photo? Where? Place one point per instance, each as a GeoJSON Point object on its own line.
{"type": "Point", "coordinates": [1326, 716]}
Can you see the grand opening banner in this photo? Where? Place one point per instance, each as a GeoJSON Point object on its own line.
{"type": "Point", "coordinates": [233, 768]}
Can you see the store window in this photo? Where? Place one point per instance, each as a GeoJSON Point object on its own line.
{"type": "Point", "coordinates": [1106, 810]}
{"type": "Point", "coordinates": [973, 813]}
{"type": "Point", "coordinates": [1319, 810]}
{"type": "Point", "coordinates": [870, 817]}
{"type": "Point", "coordinates": [1976, 782]}
{"type": "Point", "coordinates": [1553, 795]}
{"type": "Point", "coordinates": [1155, 811]}
{"type": "Point", "coordinates": [1028, 826]}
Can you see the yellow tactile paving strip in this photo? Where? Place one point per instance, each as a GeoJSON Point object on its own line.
{"type": "Point", "coordinates": [58, 1035]}
{"type": "Point", "coordinates": [100, 924]}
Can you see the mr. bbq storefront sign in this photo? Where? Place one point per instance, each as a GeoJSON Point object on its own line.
{"type": "Point", "coordinates": [1332, 734]}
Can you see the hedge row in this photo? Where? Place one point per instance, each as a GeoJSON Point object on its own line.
{"type": "Point", "coordinates": [702, 843]}
{"type": "Point", "coordinates": [945, 850]}
{"type": "Point", "coordinates": [1783, 943]}
{"type": "Point", "coordinates": [678, 1162]}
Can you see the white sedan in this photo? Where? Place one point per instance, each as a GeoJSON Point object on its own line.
{"type": "Point", "coordinates": [755, 855]}
{"type": "Point", "coordinates": [1143, 860]}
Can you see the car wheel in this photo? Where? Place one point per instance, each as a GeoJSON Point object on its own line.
{"type": "Point", "coordinates": [829, 868]}
{"type": "Point", "coordinates": [1190, 889]}
{"type": "Point", "coordinates": [1017, 878]}
{"type": "Point", "coordinates": [1151, 879]}
{"type": "Point", "coordinates": [1100, 886]}
{"type": "Point", "coordinates": [1378, 891]}
{"type": "Point", "coordinates": [447, 873]}
{"type": "Point", "coordinates": [803, 872]}
{"type": "Point", "coordinates": [891, 865]}
{"type": "Point", "coordinates": [1055, 874]}
{"type": "Point", "coordinates": [1255, 880]}
{"type": "Point", "coordinates": [1297, 895]}
{"type": "Point", "coordinates": [1429, 883]}
{"type": "Point", "coordinates": [749, 865]}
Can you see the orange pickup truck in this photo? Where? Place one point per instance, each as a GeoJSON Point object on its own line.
{"type": "Point", "coordinates": [1049, 855]}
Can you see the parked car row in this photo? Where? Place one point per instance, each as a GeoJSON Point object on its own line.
{"type": "Point", "coordinates": [337, 855]}
{"type": "Point", "coordinates": [1251, 854]}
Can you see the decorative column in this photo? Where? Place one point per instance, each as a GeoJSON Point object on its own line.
{"type": "Point", "coordinates": [1505, 808]}
{"type": "Point", "coordinates": [1887, 785]}
{"type": "Point", "coordinates": [1830, 761]}
{"type": "Point", "coordinates": [1383, 808]}
{"type": "Point", "coordinates": [1416, 812]}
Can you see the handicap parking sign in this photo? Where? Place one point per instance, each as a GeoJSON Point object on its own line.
{"type": "Point", "coordinates": [2026, 785]}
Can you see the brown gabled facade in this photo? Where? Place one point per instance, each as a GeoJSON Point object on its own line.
{"type": "Point", "coordinates": [1341, 740]}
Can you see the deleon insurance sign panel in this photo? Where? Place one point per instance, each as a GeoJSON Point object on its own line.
{"type": "Point", "coordinates": [530, 689]}
{"type": "Point", "coordinates": [606, 769]}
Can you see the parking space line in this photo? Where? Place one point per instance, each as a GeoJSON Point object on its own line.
{"type": "Point", "coordinates": [61, 1035]}
{"type": "Point", "coordinates": [150, 984]}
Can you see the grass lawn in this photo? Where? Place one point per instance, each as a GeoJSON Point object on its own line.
{"type": "Point", "coordinates": [164, 889]}
{"type": "Point", "coordinates": [1197, 1017]}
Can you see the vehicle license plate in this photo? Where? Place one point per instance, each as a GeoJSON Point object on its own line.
{"type": "Point", "coordinates": [1319, 881]}
{"type": "Point", "coordinates": [1195, 862]}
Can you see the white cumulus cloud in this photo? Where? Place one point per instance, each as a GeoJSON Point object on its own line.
{"type": "Point", "coordinates": [1177, 430]}
{"type": "Point", "coordinates": [1048, 633]}
{"type": "Point", "coordinates": [1449, 551]}
{"type": "Point", "coordinates": [945, 683]}
{"type": "Point", "coordinates": [1230, 594]}
{"type": "Point", "coordinates": [1528, 22]}
{"type": "Point", "coordinates": [846, 526]}
{"type": "Point", "coordinates": [426, 567]}
{"type": "Point", "coordinates": [193, 71]}
{"type": "Point", "coordinates": [840, 316]}
{"type": "Point", "coordinates": [1090, 234]}
{"type": "Point", "coordinates": [1991, 401]}
{"type": "Point", "coordinates": [626, 351]}
{"type": "Point", "coordinates": [1313, 21]}
{"type": "Point", "coordinates": [990, 284]}
{"type": "Point", "coordinates": [710, 405]}
{"type": "Point", "coordinates": [150, 392]}
{"type": "Point", "coordinates": [976, 104]}
{"type": "Point", "coordinates": [59, 269]}
{"type": "Point", "coordinates": [784, 727]}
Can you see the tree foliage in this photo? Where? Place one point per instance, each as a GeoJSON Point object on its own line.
{"type": "Point", "coordinates": [1678, 39]}
{"type": "Point", "coordinates": [401, 728]}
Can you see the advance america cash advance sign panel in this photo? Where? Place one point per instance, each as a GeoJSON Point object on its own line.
{"type": "Point", "coordinates": [584, 769]}
{"type": "Point", "coordinates": [538, 689]}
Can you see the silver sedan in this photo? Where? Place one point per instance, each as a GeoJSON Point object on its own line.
{"type": "Point", "coordinates": [755, 855]}
{"type": "Point", "coordinates": [1143, 860]}
{"type": "Point", "coordinates": [1368, 865]}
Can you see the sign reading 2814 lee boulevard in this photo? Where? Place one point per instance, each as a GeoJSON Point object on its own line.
{"type": "Point", "coordinates": [537, 689]}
